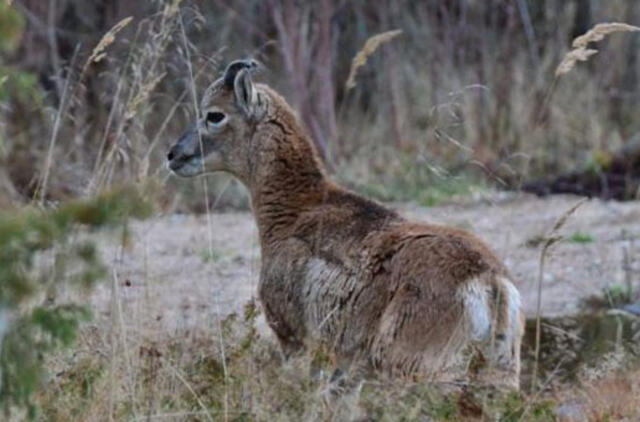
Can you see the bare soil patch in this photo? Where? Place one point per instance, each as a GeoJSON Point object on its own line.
{"type": "Point", "coordinates": [167, 275]}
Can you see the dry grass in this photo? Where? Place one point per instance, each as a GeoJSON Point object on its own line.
{"type": "Point", "coordinates": [580, 51]}
{"type": "Point", "coordinates": [613, 398]}
{"type": "Point", "coordinates": [107, 39]}
{"type": "Point", "coordinates": [547, 241]}
{"type": "Point", "coordinates": [370, 46]}
{"type": "Point", "coordinates": [180, 377]}
{"type": "Point", "coordinates": [598, 33]}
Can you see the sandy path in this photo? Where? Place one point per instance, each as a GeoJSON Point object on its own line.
{"type": "Point", "coordinates": [168, 276]}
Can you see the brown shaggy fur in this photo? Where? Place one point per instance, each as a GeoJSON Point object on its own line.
{"type": "Point", "coordinates": [379, 291]}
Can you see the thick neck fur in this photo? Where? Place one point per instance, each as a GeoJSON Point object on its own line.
{"type": "Point", "coordinates": [287, 176]}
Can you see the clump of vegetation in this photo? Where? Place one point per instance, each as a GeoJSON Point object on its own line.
{"type": "Point", "coordinates": [409, 179]}
{"type": "Point", "coordinates": [39, 252]}
{"type": "Point", "coordinates": [617, 295]}
{"type": "Point", "coordinates": [580, 237]}
{"type": "Point", "coordinates": [13, 81]}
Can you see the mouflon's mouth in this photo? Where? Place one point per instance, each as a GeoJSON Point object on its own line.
{"type": "Point", "coordinates": [180, 155]}
{"type": "Point", "coordinates": [186, 166]}
{"type": "Point", "coordinates": [179, 162]}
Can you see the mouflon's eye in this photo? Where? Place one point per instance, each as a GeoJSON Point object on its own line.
{"type": "Point", "coordinates": [215, 117]}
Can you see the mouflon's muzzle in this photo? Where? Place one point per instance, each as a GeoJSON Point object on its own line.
{"type": "Point", "coordinates": [184, 149]}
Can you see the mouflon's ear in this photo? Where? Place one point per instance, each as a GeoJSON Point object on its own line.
{"type": "Point", "coordinates": [237, 76]}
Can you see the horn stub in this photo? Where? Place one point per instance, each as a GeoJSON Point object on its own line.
{"type": "Point", "coordinates": [236, 66]}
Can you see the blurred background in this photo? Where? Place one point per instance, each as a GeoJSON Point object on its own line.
{"type": "Point", "coordinates": [463, 100]}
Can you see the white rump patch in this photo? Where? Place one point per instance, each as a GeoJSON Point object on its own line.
{"type": "Point", "coordinates": [514, 302]}
{"type": "Point", "coordinates": [475, 299]}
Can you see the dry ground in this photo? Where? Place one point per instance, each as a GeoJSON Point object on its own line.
{"type": "Point", "coordinates": [169, 278]}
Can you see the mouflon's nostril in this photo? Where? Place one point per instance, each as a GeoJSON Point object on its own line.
{"type": "Point", "coordinates": [171, 154]}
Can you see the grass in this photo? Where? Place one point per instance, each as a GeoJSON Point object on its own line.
{"type": "Point", "coordinates": [617, 295]}
{"type": "Point", "coordinates": [425, 193]}
{"type": "Point", "coordinates": [410, 179]}
{"type": "Point", "coordinates": [211, 255]}
{"type": "Point", "coordinates": [581, 238]}
{"type": "Point", "coordinates": [181, 377]}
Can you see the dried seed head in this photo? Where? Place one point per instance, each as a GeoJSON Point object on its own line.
{"type": "Point", "coordinates": [369, 48]}
{"type": "Point", "coordinates": [580, 51]}
{"type": "Point", "coordinates": [601, 30]}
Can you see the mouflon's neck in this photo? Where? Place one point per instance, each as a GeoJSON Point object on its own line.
{"type": "Point", "coordinates": [288, 177]}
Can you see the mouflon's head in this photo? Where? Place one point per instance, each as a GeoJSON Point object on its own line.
{"type": "Point", "coordinates": [219, 140]}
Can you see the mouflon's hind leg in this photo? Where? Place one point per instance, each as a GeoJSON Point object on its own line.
{"type": "Point", "coordinates": [501, 364]}
{"type": "Point", "coordinates": [290, 344]}
{"type": "Point", "coordinates": [420, 338]}
{"type": "Point", "coordinates": [502, 349]}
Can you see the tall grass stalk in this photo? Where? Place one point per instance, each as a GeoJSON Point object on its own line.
{"type": "Point", "coordinates": [205, 186]}
{"type": "Point", "coordinates": [549, 240]}
{"type": "Point", "coordinates": [41, 191]}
